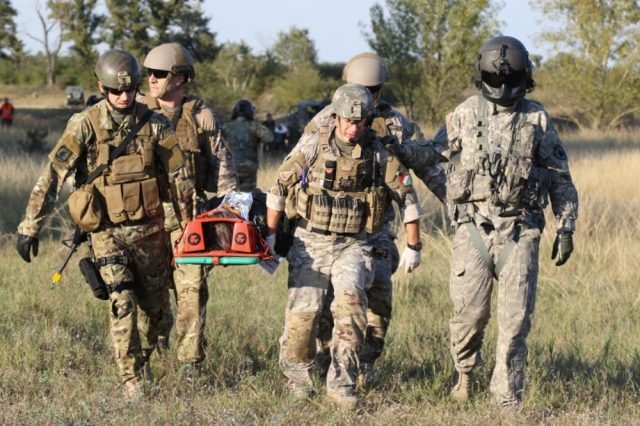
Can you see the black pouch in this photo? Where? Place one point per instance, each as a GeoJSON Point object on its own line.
{"type": "Point", "coordinates": [329, 174]}
{"type": "Point", "coordinates": [93, 278]}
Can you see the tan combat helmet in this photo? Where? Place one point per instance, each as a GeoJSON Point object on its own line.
{"type": "Point", "coordinates": [171, 57]}
{"type": "Point", "coordinates": [366, 69]}
{"type": "Point", "coordinates": [353, 101]}
{"type": "Point", "coordinates": [118, 69]}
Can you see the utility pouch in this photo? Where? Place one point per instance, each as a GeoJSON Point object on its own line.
{"type": "Point", "coordinates": [516, 175]}
{"type": "Point", "coordinates": [339, 213]}
{"type": "Point", "coordinates": [128, 168]}
{"type": "Point", "coordinates": [480, 187]}
{"type": "Point", "coordinates": [355, 217]}
{"type": "Point", "coordinates": [375, 214]}
{"type": "Point", "coordinates": [93, 278]}
{"type": "Point", "coordinates": [459, 185]}
{"type": "Point", "coordinates": [321, 212]}
{"type": "Point", "coordinates": [329, 174]}
{"type": "Point", "coordinates": [85, 208]}
{"type": "Point", "coordinates": [302, 200]}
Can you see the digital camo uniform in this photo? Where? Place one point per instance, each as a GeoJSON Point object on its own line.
{"type": "Point", "coordinates": [523, 158]}
{"type": "Point", "coordinates": [210, 164]}
{"type": "Point", "coordinates": [129, 245]}
{"type": "Point", "coordinates": [387, 122]}
{"type": "Point", "coordinates": [330, 188]}
{"type": "Point", "coordinates": [245, 136]}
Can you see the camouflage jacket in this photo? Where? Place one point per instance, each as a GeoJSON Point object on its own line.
{"type": "Point", "coordinates": [244, 137]}
{"type": "Point", "coordinates": [304, 157]}
{"type": "Point", "coordinates": [390, 122]}
{"type": "Point", "coordinates": [75, 153]}
{"type": "Point", "coordinates": [522, 153]}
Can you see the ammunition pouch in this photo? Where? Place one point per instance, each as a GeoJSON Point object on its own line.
{"type": "Point", "coordinates": [85, 208]}
{"type": "Point", "coordinates": [343, 214]}
{"type": "Point", "coordinates": [93, 278]}
{"type": "Point", "coordinates": [376, 202]}
{"type": "Point", "coordinates": [133, 201]}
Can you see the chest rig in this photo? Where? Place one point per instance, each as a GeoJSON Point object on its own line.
{"type": "Point", "coordinates": [500, 170]}
{"type": "Point", "coordinates": [128, 187]}
{"type": "Point", "coordinates": [342, 194]}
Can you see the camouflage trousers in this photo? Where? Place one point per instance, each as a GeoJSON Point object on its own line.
{"type": "Point", "coordinates": [379, 296]}
{"type": "Point", "coordinates": [192, 295]}
{"type": "Point", "coordinates": [247, 173]}
{"type": "Point", "coordinates": [137, 276]}
{"type": "Point", "coordinates": [315, 263]}
{"type": "Point", "coordinates": [471, 286]}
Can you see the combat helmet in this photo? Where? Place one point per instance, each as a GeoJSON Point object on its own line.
{"type": "Point", "coordinates": [171, 57]}
{"type": "Point", "coordinates": [118, 69]}
{"type": "Point", "coordinates": [352, 101]}
{"type": "Point", "coordinates": [243, 108]}
{"type": "Point", "coordinates": [366, 69]}
{"type": "Point", "coordinates": [504, 71]}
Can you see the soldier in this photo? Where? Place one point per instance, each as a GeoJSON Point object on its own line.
{"type": "Point", "coordinates": [245, 135]}
{"type": "Point", "coordinates": [368, 69]}
{"type": "Point", "coordinates": [170, 69]}
{"type": "Point", "coordinates": [507, 162]}
{"type": "Point", "coordinates": [120, 206]}
{"type": "Point", "coordinates": [337, 183]}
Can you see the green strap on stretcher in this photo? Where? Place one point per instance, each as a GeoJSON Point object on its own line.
{"type": "Point", "coordinates": [227, 260]}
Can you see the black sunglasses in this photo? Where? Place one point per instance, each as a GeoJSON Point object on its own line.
{"type": "Point", "coordinates": [157, 73]}
{"type": "Point", "coordinates": [117, 92]}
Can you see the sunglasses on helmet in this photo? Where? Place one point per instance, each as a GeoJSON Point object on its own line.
{"type": "Point", "coordinates": [513, 79]}
{"type": "Point", "coordinates": [157, 73]}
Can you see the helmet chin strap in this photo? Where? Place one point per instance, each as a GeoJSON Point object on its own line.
{"type": "Point", "coordinates": [163, 89]}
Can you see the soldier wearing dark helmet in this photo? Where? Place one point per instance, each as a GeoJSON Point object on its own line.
{"type": "Point", "coordinates": [170, 69]}
{"type": "Point", "coordinates": [245, 136]}
{"type": "Point", "coordinates": [118, 201]}
{"type": "Point", "coordinates": [506, 163]}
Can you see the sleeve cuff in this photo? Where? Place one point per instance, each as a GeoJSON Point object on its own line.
{"type": "Point", "coordinates": [275, 202]}
{"type": "Point", "coordinates": [411, 213]}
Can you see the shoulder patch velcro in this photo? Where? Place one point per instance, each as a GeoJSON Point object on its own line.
{"type": "Point", "coordinates": [63, 154]}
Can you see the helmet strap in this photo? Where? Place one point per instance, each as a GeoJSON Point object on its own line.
{"type": "Point", "coordinates": [163, 89]}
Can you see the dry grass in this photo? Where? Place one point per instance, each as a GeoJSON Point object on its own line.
{"type": "Point", "coordinates": [56, 363]}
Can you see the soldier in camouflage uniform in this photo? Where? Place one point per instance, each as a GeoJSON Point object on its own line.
{"type": "Point", "coordinates": [124, 215]}
{"type": "Point", "coordinates": [337, 184]}
{"type": "Point", "coordinates": [507, 161]}
{"type": "Point", "coordinates": [245, 136]}
{"type": "Point", "coordinates": [368, 69]}
{"type": "Point", "coordinates": [170, 68]}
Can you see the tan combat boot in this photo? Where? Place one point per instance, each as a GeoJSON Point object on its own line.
{"type": "Point", "coordinates": [133, 390]}
{"type": "Point", "coordinates": [345, 400]}
{"type": "Point", "coordinates": [462, 389]}
{"type": "Point", "coordinates": [367, 376]}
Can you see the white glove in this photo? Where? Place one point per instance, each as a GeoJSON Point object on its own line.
{"type": "Point", "coordinates": [271, 242]}
{"type": "Point", "coordinates": [410, 259]}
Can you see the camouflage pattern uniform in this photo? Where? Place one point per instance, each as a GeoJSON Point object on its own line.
{"type": "Point", "coordinates": [496, 196]}
{"type": "Point", "coordinates": [318, 260]}
{"type": "Point", "coordinates": [244, 138]}
{"type": "Point", "coordinates": [387, 122]}
{"type": "Point", "coordinates": [132, 255]}
{"type": "Point", "coordinates": [209, 162]}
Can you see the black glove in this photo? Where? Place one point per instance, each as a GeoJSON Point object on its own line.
{"type": "Point", "coordinates": [393, 146]}
{"type": "Point", "coordinates": [562, 247]}
{"type": "Point", "coordinates": [79, 236]}
{"type": "Point", "coordinates": [26, 245]}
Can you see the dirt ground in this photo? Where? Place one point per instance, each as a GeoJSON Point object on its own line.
{"type": "Point", "coordinates": [36, 97]}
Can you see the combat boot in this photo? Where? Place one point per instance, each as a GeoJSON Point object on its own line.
{"type": "Point", "coordinates": [462, 389]}
{"type": "Point", "coordinates": [343, 399]}
{"type": "Point", "coordinates": [133, 390]}
{"type": "Point", "coordinates": [367, 376]}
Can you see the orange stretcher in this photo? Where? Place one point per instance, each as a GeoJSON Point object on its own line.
{"type": "Point", "coordinates": [201, 242]}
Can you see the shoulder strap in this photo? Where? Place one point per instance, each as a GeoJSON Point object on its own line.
{"type": "Point", "coordinates": [122, 147]}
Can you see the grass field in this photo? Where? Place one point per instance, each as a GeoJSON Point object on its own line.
{"type": "Point", "coordinates": [56, 362]}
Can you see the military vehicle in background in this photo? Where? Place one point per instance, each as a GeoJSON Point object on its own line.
{"type": "Point", "coordinates": [74, 95]}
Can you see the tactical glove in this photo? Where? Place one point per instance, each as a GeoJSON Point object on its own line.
{"type": "Point", "coordinates": [27, 245]}
{"type": "Point", "coordinates": [562, 247]}
{"type": "Point", "coordinates": [393, 146]}
{"type": "Point", "coordinates": [410, 259]}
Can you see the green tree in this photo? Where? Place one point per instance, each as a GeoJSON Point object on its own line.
{"type": "Point", "coordinates": [430, 47]}
{"type": "Point", "coordinates": [127, 26]}
{"type": "Point", "coordinates": [79, 26]}
{"type": "Point", "coordinates": [303, 82]}
{"type": "Point", "coordinates": [294, 49]}
{"type": "Point", "coordinates": [595, 79]}
{"type": "Point", "coordinates": [10, 46]}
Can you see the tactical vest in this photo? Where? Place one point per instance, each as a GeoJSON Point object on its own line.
{"type": "Point", "coordinates": [242, 139]}
{"type": "Point", "coordinates": [505, 176]}
{"type": "Point", "coordinates": [342, 195]}
{"type": "Point", "coordinates": [191, 137]}
{"type": "Point", "coordinates": [129, 187]}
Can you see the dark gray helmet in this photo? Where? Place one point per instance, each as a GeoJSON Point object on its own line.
{"type": "Point", "coordinates": [353, 101]}
{"type": "Point", "coordinates": [367, 69]}
{"type": "Point", "coordinates": [118, 69]}
{"type": "Point", "coordinates": [170, 57]}
{"type": "Point", "coordinates": [243, 108]}
{"type": "Point", "coordinates": [504, 71]}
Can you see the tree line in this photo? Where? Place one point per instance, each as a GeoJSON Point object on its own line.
{"type": "Point", "coordinates": [591, 78]}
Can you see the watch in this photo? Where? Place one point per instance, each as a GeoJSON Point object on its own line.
{"type": "Point", "coordinates": [415, 247]}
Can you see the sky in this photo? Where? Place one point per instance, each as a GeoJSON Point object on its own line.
{"type": "Point", "coordinates": [336, 27]}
